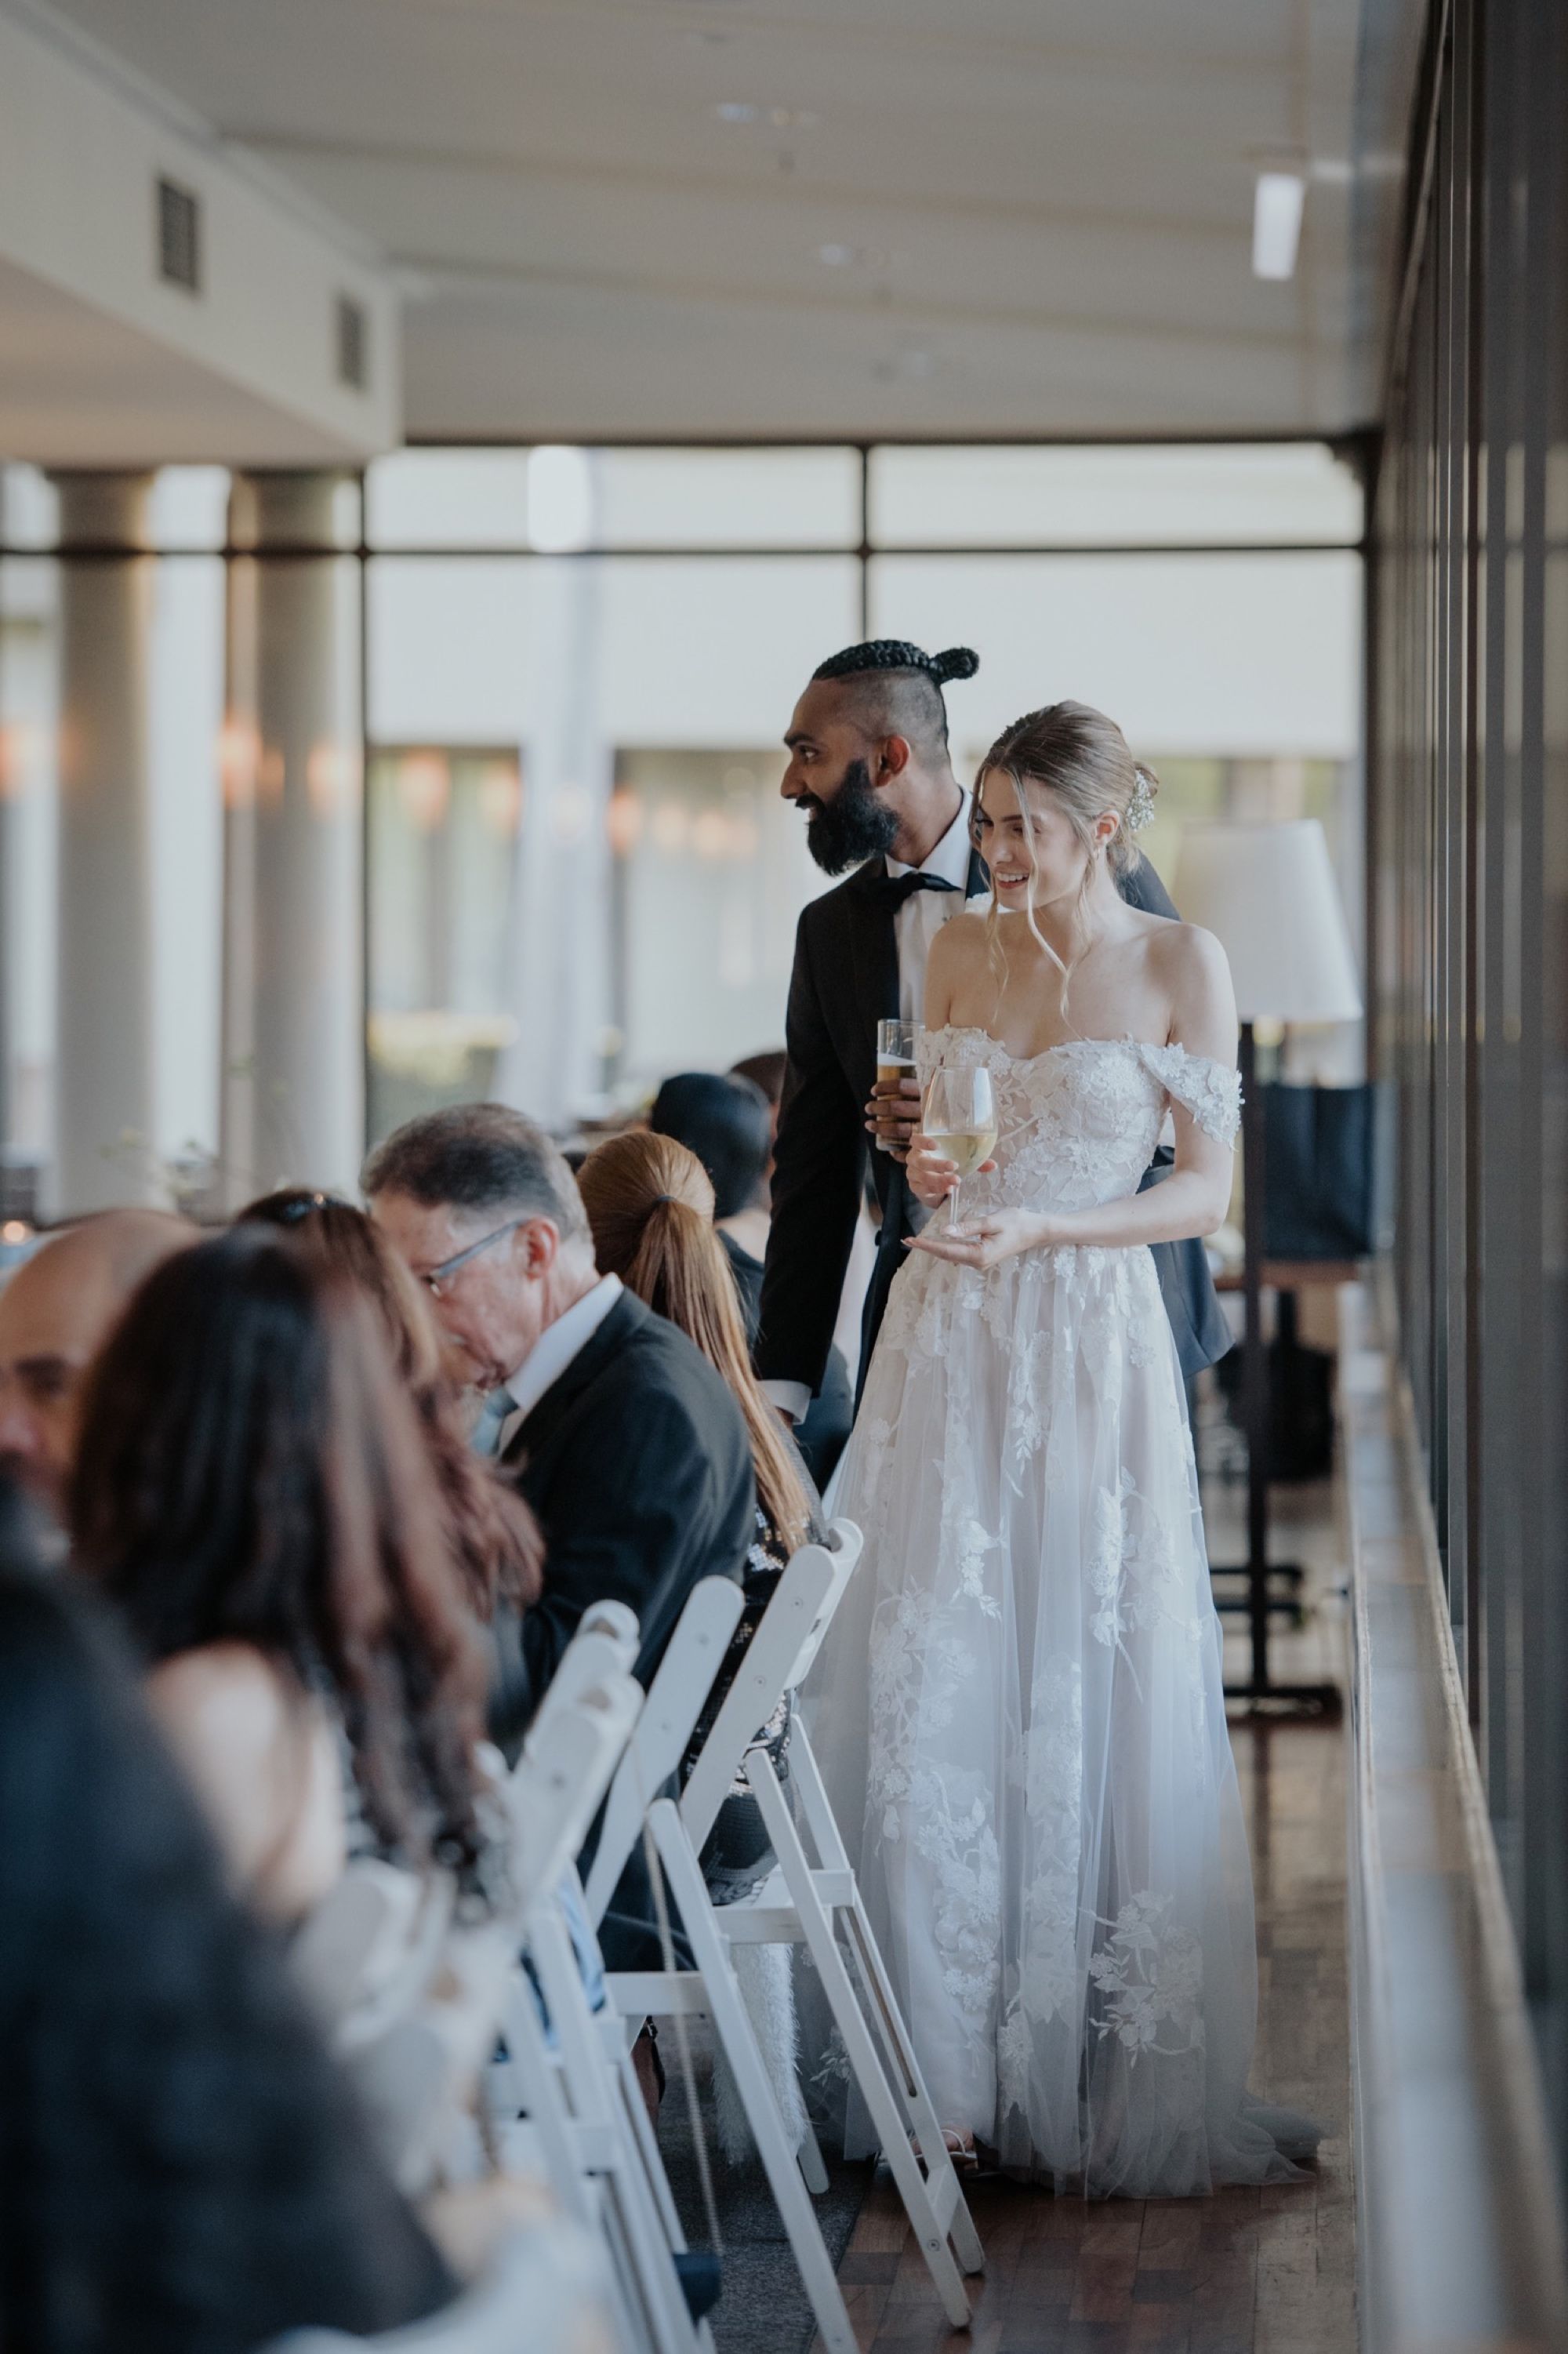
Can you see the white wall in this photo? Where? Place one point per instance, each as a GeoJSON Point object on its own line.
{"type": "Point", "coordinates": [249, 362]}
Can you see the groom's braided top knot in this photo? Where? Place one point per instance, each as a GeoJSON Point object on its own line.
{"type": "Point", "coordinates": [898, 686]}
{"type": "Point", "coordinates": [897, 653]}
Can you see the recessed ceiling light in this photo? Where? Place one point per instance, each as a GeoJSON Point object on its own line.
{"type": "Point", "coordinates": [782, 118]}
{"type": "Point", "coordinates": [859, 257]}
{"type": "Point", "coordinates": [1277, 223]}
{"type": "Point", "coordinates": [906, 366]}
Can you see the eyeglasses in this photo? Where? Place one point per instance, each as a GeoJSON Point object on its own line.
{"type": "Point", "coordinates": [441, 1275]}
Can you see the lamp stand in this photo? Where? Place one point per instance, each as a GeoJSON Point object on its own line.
{"type": "Point", "coordinates": [1260, 1575]}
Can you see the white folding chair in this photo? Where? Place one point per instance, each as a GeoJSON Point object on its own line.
{"type": "Point", "coordinates": [413, 1997]}
{"type": "Point", "coordinates": [712, 1987]}
{"type": "Point", "coordinates": [544, 2289]}
{"type": "Point", "coordinates": [585, 2121]}
{"type": "Point", "coordinates": [805, 1903]}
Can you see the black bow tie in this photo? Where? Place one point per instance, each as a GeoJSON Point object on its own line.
{"type": "Point", "coordinates": [890, 891]}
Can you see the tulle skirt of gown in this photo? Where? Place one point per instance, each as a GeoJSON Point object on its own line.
{"type": "Point", "coordinates": [1020, 1718]}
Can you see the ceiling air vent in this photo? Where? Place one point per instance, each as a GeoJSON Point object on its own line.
{"type": "Point", "coordinates": [353, 344]}
{"type": "Point", "coordinates": [179, 237]}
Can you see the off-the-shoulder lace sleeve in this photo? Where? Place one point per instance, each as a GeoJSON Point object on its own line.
{"type": "Point", "coordinates": [1211, 1091]}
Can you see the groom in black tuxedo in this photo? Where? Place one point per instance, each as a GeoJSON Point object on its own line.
{"type": "Point", "coordinates": [870, 768]}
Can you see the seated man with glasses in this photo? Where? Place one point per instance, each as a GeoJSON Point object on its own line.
{"type": "Point", "coordinates": [629, 1446]}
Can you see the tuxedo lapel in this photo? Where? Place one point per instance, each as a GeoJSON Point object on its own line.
{"type": "Point", "coordinates": [874, 953]}
{"type": "Point", "coordinates": [979, 876]}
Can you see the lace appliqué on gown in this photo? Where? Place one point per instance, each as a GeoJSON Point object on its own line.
{"type": "Point", "coordinates": [1019, 1712]}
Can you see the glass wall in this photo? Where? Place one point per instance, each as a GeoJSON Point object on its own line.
{"type": "Point", "coordinates": [579, 663]}
{"type": "Point", "coordinates": [635, 625]}
{"type": "Point", "coordinates": [1471, 914]}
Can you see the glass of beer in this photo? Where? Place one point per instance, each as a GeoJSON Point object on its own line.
{"type": "Point", "coordinates": [960, 1121]}
{"type": "Point", "coordinates": [896, 1052]}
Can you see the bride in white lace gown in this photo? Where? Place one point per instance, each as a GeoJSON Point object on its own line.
{"type": "Point", "coordinates": [1022, 1701]}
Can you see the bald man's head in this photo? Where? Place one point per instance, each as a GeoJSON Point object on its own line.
{"type": "Point", "coordinates": [56, 1312]}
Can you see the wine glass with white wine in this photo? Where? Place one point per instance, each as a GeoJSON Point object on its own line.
{"type": "Point", "coordinates": [960, 1120]}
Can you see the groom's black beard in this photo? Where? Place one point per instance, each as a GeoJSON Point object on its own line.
{"type": "Point", "coordinates": [856, 824]}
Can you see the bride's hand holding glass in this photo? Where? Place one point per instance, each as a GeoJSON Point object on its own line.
{"type": "Point", "coordinates": [933, 1175]}
{"type": "Point", "coordinates": [957, 1134]}
{"type": "Point", "coordinates": [985, 1239]}
{"type": "Point", "coordinates": [956, 1139]}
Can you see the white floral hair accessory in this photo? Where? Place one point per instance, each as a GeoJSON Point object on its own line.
{"type": "Point", "coordinates": [1140, 808]}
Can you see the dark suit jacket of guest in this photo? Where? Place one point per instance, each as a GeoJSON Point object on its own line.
{"type": "Point", "coordinates": [844, 982]}
{"type": "Point", "coordinates": [638, 1464]}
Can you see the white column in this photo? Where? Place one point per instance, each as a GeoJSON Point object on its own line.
{"type": "Point", "coordinates": [293, 975]}
{"type": "Point", "coordinates": [103, 1100]}
{"type": "Point", "coordinates": [560, 989]}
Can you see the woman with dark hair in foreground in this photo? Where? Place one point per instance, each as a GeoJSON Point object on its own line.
{"type": "Point", "coordinates": [253, 1491]}
{"type": "Point", "coordinates": [493, 1535]}
{"type": "Point", "coordinates": [181, 2171]}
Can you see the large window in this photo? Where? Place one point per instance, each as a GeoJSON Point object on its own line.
{"type": "Point", "coordinates": [635, 625]}
{"type": "Point", "coordinates": [579, 663]}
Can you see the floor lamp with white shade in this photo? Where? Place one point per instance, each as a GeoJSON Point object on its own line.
{"type": "Point", "coordinates": [1268, 894]}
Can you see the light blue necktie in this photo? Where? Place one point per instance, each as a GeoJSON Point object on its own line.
{"type": "Point", "coordinates": [493, 1418]}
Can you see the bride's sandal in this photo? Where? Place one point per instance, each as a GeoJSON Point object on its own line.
{"type": "Point", "coordinates": [960, 2146]}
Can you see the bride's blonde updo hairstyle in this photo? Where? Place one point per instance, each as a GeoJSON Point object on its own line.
{"type": "Point", "coordinates": [1081, 759]}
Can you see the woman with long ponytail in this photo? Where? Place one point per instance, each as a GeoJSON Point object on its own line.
{"type": "Point", "coordinates": [651, 1206]}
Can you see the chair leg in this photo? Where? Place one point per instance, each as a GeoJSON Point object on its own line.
{"type": "Point", "coordinates": [633, 2168]}
{"type": "Point", "coordinates": [733, 2027]}
{"type": "Point", "coordinates": [896, 2095]}
{"type": "Point", "coordinates": [814, 2173]}
{"type": "Point", "coordinates": [883, 2007]}
{"type": "Point", "coordinates": [537, 2092]}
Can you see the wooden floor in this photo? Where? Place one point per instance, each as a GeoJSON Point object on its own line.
{"type": "Point", "coordinates": [1247, 2272]}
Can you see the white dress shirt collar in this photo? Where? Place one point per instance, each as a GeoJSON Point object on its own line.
{"type": "Point", "coordinates": [556, 1348]}
{"type": "Point", "coordinates": [949, 862]}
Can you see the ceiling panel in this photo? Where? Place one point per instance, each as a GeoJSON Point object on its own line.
{"type": "Point", "coordinates": [650, 216]}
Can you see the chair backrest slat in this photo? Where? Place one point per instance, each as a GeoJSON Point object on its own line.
{"type": "Point", "coordinates": [560, 1779]}
{"type": "Point", "coordinates": [761, 1677]}
{"type": "Point", "coordinates": [845, 1544]}
{"type": "Point", "coordinates": [593, 1657]}
{"type": "Point", "coordinates": [777, 1660]}
{"type": "Point", "coordinates": [681, 1684]}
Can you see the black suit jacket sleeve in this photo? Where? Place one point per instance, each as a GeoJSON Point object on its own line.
{"type": "Point", "coordinates": [1142, 888]}
{"type": "Point", "coordinates": [817, 1162]}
